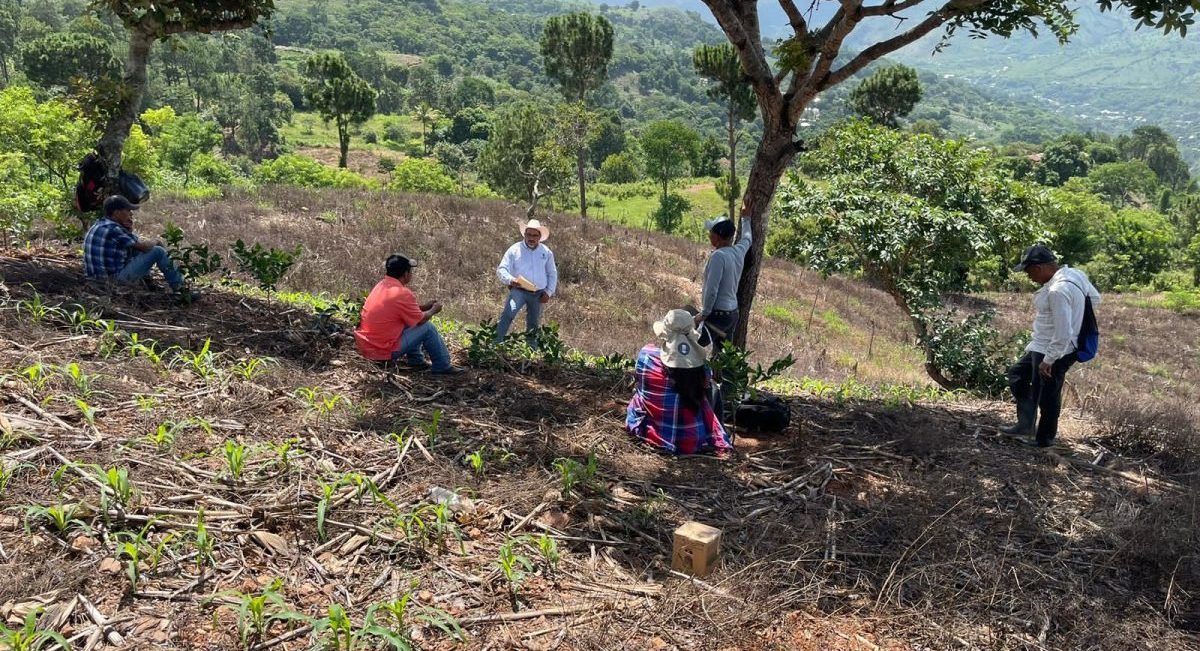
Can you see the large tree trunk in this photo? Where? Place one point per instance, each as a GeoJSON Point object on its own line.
{"type": "Point", "coordinates": [922, 332]}
{"type": "Point", "coordinates": [130, 102]}
{"type": "Point", "coordinates": [579, 163]}
{"type": "Point", "coordinates": [774, 153]}
{"type": "Point", "coordinates": [732, 214]}
{"type": "Point", "coordinates": [343, 143]}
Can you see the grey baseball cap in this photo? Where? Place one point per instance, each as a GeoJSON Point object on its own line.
{"type": "Point", "coordinates": [1036, 254]}
{"type": "Point", "coordinates": [117, 202]}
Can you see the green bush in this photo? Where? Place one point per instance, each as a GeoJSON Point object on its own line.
{"type": "Point", "coordinates": [623, 167]}
{"type": "Point", "coordinates": [970, 353]}
{"type": "Point", "coordinates": [421, 175]}
{"type": "Point", "coordinates": [291, 169]}
{"type": "Point", "coordinates": [210, 170]}
{"type": "Point", "coordinates": [1182, 301]}
{"type": "Point", "coordinates": [668, 217]}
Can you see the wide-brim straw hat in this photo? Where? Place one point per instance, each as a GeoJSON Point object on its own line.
{"type": "Point", "coordinates": [533, 223]}
{"type": "Point", "coordinates": [680, 341]}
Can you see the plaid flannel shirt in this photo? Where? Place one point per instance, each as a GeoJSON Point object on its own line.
{"type": "Point", "coordinates": [106, 248]}
{"type": "Point", "coordinates": [657, 415]}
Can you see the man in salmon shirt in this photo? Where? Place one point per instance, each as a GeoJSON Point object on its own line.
{"type": "Point", "coordinates": [394, 326]}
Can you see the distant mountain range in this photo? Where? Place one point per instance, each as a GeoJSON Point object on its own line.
{"type": "Point", "coordinates": [1111, 76]}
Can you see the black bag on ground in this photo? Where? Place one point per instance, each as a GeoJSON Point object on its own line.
{"type": "Point", "coordinates": [89, 190]}
{"type": "Point", "coordinates": [764, 414]}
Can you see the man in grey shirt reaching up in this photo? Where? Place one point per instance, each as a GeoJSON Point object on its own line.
{"type": "Point", "coordinates": [721, 277]}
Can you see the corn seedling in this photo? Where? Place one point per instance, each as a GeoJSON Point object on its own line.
{"type": "Point", "coordinates": [148, 350]}
{"type": "Point", "coordinates": [364, 485]}
{"type": "Point", "coordinates": [251, 367]}
{"type": "Point", "coordinates": [203, 543]}
{"type": "Point", "coordinates": [131, 551]}
{"type": "Point", "coordinates": [37, 310]}
{"type": "Point", "coordinates": [257, 612]}
{"type": "Point", "coordinates": [549, 550]}
{"type": "Point", "coordinates": [6, 474]}
{"type": "Point", "coordinates": [87, 411]}
{"type": "Point", "coordinates": [37, 375]}
{"type": "Point", "coordinates": [204, 362]}
{"type": "Point", "coordinates": [321, 403]}
{"type": "Point", "coordinates": [476, 460]}
{"type": "Point", "coordinates": [337, 631]}
{"type": "Point", "coordinates": [80, 320]}
{"type": "Point", "coordinates": [327, 492]}
{"type": "Point", "coordinates": [397, 617]}
{"type": "Point", "coordinates": [116, 487]}
{"type": "Point", "coordinates": [510, 564]}
{"type": "Point", "coordinates": [285, 452]}
{"type": "Point", "coordinates": [431, 428]}
{"type": "Point", "coordinates": [235, 460]}
{"type": "Point", "coordinates": [146, 403]}
{"type": "Point", "coordinates": [60, 518]}
{"type": "Point", "coordinates": [163, 436]}
{"type": "Point", "coordinates": [110, 337]}
{"type": "Point", "coordinates": [82, 381]}
{"type": "Point", "coordinates": [29, 637]}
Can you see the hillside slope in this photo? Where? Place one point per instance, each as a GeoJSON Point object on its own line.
{"type": "Point", "coordinates": [871, 523]}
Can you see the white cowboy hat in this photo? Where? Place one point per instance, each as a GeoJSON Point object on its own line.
{"type": "Point", "coordinates": [680, 341]}
{"type": "Point", "coordinates": [533, 223]}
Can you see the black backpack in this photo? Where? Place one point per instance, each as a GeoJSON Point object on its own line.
{"type": "Point", "coordinates": [89, 190]}
{"type": "Point", "coordinates": [1088, 343]}
{"type": "Point", "coordinates": [763, 413]}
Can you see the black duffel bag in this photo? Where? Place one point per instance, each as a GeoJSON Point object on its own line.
{"type": "Point", "coordinates": [763, 414]}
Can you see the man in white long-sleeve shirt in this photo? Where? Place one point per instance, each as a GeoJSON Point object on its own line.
{"type": "Point", "coordinates": [1036, 380]}
{"type": "Point", "coordinates": [531, 261]}
{"type": "Point", "coordinates": [721, 277]}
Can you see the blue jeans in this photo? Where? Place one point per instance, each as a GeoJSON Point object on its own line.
{"type": "Point", "coordinates": [518, 298]}
{"type": "Point", "coordinates": [424, 339]}
{"type": "Point", "coordinates": [139, 266]}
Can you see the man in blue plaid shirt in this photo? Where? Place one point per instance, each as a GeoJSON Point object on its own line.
{"type": "Point", "coordinates": [112, 251]}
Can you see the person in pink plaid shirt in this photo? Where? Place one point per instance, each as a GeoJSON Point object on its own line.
{"type": "Point", "coordinates": [670, 409]}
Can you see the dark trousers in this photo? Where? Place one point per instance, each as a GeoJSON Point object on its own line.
{"type": "Point", "coordinates": [1035, 393]}
{"type": "Point", "coordinates": [726, 322]}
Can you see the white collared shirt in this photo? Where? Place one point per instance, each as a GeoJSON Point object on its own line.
{"type": "Point", "coordinates": [1058, 313]}
{"type": "Point", "coordinates": [536, 265]}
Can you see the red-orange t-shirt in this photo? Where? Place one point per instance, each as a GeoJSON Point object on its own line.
{"type": "Point", "coordinates": [390, 308]}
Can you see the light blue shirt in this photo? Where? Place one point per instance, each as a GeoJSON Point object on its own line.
{"type": "Point", "coordinates": [723, 273]}
{"type": "Point", "coordinates": [536, 265]}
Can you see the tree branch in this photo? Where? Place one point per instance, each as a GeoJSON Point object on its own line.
{"type": "Point", "coordinates": [889, 8]}
{"type": "Point", "coordinates": [799, 25]}
{"type": "Point", "coordinates": [931, 22]}
{"type": "Point", "coordinates": [830, 37]}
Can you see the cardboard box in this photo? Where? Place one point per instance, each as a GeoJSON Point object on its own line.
{"type": "Point", "coordinates": [697, 549]}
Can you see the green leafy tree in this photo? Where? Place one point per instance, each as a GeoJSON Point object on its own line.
{"type": "Point", "coordinates": [49, 137]}
{"type": "Point", "coordinates": [668, 146]}
{"type": "Point", "coordinates": [338, 95]}
{"type": "Point", "coordinates": [1193, 259]}
{"type": "Point", "coordinates": [920, 217]}
{"type": "Point", "coordinates": [427, 115]}
{"type": "Point", "coordinates": [454, 158]}
{"type": "Point", "coordinates": [1123, 183]}
{"type": "Point", "coordinates": [720, 65]}
{"type": "Point", "coordinates": [185, 137]}
{"type": "Point", "coordinates": [1062, 160]}
{"type": "Point", "coordinates": [1075, 218]}
{"type": "Point", "coordinates": [1134, 246]}
{"type": "Point", "coordinates": [576, 49]}
{"type": "Point", "coordinates": [521, 159]}
{"type": "Point", "coordinates": [421, 175]}
{"type": "Point", "coordinates": [809, 59]}
{"type": "Point", "coordinates": [83, 65]}
{"type": "Point", "coordinates": [146, 23]}
{"type": "Point", "coordinates": [624, 167]}
{"type": "Point", "coordinates": [10, 29]}
{"type": "Point", "coordinates": [472, 92]}
{"type": "Point", "coordinates": [887, 95]}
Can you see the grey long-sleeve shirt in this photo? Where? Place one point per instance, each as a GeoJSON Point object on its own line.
{"type": "Point", "coordinates": [723, 273]}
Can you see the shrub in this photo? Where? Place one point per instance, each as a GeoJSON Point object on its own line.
{"type": "Point", "coordinates": [970, 353]}
{"type": "Point", "coordinates": [623, 167]}
{"type": "Point", "coordinates": [421, 175]}
{"type": "Point", "coordinates": [386, 165]}
{"type": "Point", "coordinates": [394, 131]}
{"type": "Point", "coordinates": [669, 215]}
{"type": "Point", "coordinates": [291, 169]}
{"type": "Point", "coordinates": [211, 170]}
{"type": "Point", "coordinates": [370, 137]}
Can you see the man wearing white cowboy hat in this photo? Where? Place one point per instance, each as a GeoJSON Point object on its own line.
{"type": "Point", "coordinates": [671, 407]}
{"type": "Point", "coordinates": [528, 270]}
